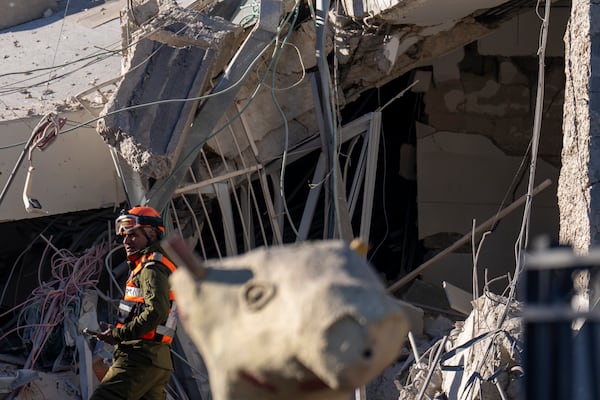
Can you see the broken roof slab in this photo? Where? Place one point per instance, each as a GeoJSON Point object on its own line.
{"type": "Point", "coordinates": [416, 12]}
{"type": "Point", "coordinates": [367, 59]}
{"type": "Point", "coordinates": [375, 50]}
{"type": "Point", "coordinates": [47, 62]}
{"type": "Point", "coordinates": [256, 43]}
{"type": "Point", "coordinates": [174, 57]}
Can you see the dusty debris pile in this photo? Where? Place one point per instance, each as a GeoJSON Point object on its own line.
{"type": "Point", "coordinates": [479, 359]}
{"type": "Point", "coordinates": [43, 344]}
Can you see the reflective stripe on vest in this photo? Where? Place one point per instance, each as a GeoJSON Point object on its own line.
{"type": "Point", "coordinates": [133, 301]}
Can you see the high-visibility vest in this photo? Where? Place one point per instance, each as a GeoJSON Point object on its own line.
{"type": "Point", "coordinates": [133, 302]}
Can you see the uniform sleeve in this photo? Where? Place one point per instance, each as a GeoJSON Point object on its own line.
{"type": "Point", "coordinates": [154, 282]}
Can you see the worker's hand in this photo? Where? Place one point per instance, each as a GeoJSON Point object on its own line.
{"type": "Point", "coordinates": [106, 336]}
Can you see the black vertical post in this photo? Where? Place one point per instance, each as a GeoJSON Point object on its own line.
{"type": "Point", "coordinates": [548, 291]}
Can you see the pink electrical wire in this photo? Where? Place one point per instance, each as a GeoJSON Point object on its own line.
{"type": "Point", "coordinates": [53, 301]}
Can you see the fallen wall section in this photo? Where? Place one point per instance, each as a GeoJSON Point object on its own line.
{"type": "Point", "coordinates": [173, 58]}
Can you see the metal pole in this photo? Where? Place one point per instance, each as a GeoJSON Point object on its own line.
{"type": "Point", "coordinates": [465, 239]}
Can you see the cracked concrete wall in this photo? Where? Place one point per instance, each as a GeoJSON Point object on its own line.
{"type": "Point", "coordinates": [366, 58]}
{"type": "Point", "coordinates": [286, 92]}
{"type": "Point", "coordinates": [369, 60]}
{"type": "Point", "coordinates": [495, 97]}
{"type": "Point", "coordinates": [476, 127]}
{"type": "Point", "coordinates": [578, 184]}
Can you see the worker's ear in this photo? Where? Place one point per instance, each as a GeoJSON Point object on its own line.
{"type": "Point", "coordinates": [152, 234]}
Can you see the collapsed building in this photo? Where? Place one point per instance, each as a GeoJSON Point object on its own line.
{"type": "Point", "coordinates": [254, 124]}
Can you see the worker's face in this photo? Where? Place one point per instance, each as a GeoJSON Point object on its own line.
{"type": "Point", "coordinates": [134, 241]}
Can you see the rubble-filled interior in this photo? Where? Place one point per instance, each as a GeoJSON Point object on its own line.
{"type": "Point", "coordinates": [430, 146]}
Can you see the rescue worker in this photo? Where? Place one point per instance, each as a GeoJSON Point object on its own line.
{"type": "Point", "coordinates": [142, 360]}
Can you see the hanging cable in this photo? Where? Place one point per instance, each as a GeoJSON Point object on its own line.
{"type": "Point", "coordinates": [62, 27]}
{"type": "Point", "coordinates": [322, 8]}
{"type": "Point", "coordinates": [522, 240]}
{"type": "Point", "coordinates": [41, 136]}
{"type": "Point", "coordinates": [285, 123]}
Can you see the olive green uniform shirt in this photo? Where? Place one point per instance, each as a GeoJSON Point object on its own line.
{"type": "Point", "coordinates": [153, 280]}
{"type": "Point", "coordinates": [141, 368]}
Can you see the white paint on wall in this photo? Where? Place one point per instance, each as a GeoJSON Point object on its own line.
{"type": "Point", "coordinates": [445, 68]}
{"type": "Point", "coordinates": [74, 173]}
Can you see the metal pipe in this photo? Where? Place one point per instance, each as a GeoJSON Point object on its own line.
{"type": "Point", "coordinates": [432, 366]}
{"type": "Point", "coordinates": [486, 225]}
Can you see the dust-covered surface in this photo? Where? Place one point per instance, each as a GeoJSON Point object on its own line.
{"type": "Point", "coordinates": [385, 62]}
{"type": "Point", "coordinates": [170, 63]}
{"type": "Point", "coordinates": [304, 321]}
{"type": "Point", "coordinates": [48, 61]}
{"type": "Point", "coordinates": [577, 186]}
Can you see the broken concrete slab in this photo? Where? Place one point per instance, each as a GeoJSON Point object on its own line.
{"type": "Point", "coordinates": [493, 354]}
{"type": "Point", "coordinates": [426, 295]}
{"type": "Point", "coordinates": [459, 300]}
{"type": "Point", "coordinates": [417, 12]}
{"type": "Point", "coordinates": [375, 62]}
{"type": "Point", "coordinates": [158, 106]}
{"type": "Point", "coordinates": [21, 377]}
{"type": "Point", "coordinates": [479, 357]}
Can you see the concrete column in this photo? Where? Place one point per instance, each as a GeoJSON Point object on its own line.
{"type": "Point", "coordinates": [578, 189]}
{"type": "Point", "coordinates": [578, 186]}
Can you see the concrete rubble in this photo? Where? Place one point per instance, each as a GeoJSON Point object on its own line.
{"type": "Point", "coordinates": [484, 346]}
{"type": "Point", "coordinates": [32, 384]}
{"type": "Point", "coordinates": [344, 329]}
{"type": "Point", "coordinates": [481, 357]}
